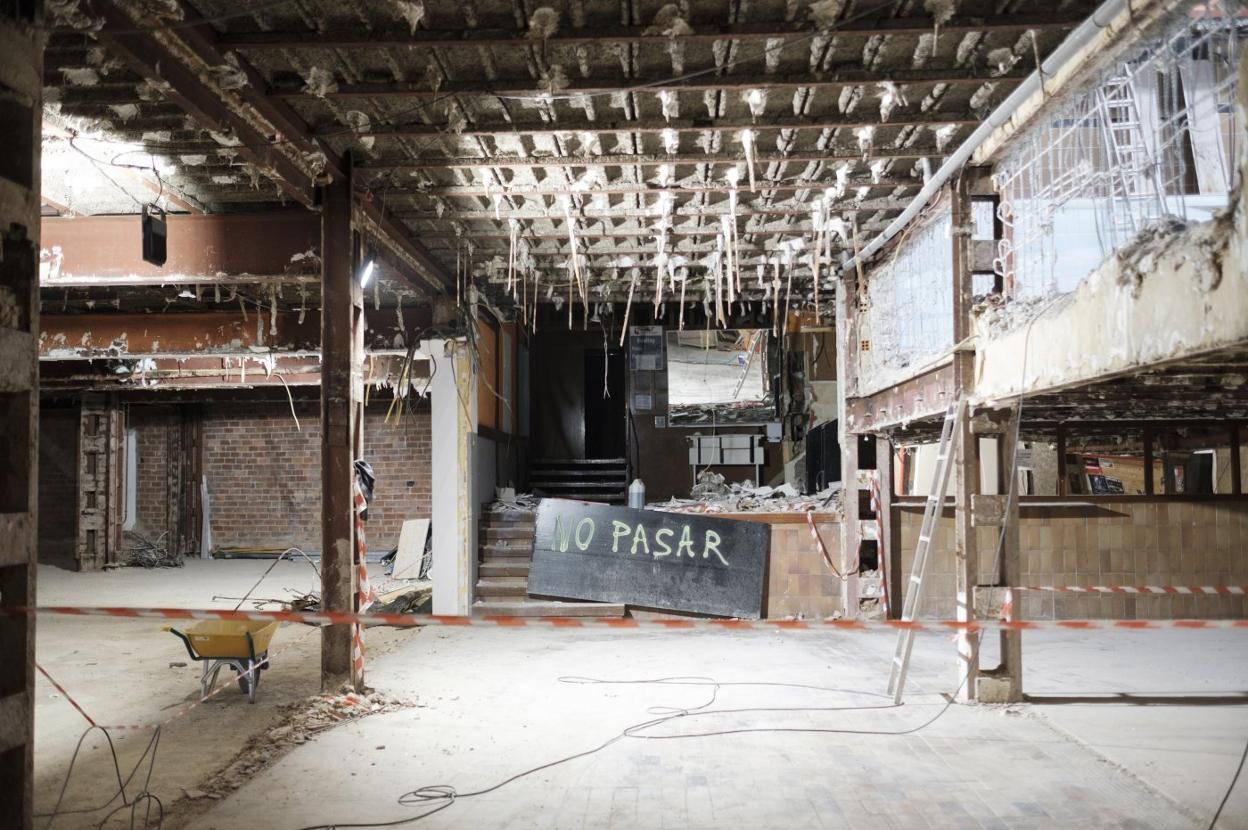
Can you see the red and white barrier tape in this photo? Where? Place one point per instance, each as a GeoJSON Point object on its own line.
{"type": "Point", "coordinates": [409, 620]}
{"type": "Point", "coordinates": [814, 534]}
{"type": "Point", "coordinates": [1194, 590]}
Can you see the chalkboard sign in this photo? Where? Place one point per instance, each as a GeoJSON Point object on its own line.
{"type": "Point", "coordinates": [648, 558]}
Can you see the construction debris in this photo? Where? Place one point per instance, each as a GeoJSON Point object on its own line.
{"type": "Point", "coordinates": [141, 552]}
{"type": "Point", "coordinates": [514, 502]}
{"type": "Point", "coordinates": [712, 495]}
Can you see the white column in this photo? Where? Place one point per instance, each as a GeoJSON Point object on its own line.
{"type": "Point", "coordinates": [452, 438]}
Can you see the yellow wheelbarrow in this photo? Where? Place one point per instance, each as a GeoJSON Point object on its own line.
{"type": "Point", "coordinates": [241, 645]}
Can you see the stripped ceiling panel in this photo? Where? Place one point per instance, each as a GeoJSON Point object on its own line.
{"type": "Point", "coordinates": [606, 145]}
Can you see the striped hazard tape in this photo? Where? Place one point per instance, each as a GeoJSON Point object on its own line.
{"type": "Point", "coordinates": [1186, 590]}
{"type": "Point", "coordinates": [410, 620]}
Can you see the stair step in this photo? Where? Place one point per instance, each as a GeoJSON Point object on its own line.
{"type": "Point", "coordinates": [524, 561]}
{"type": "Point", "coordinates": [559, 484]}
{"type": "Point", "coordinates": [499, 534]}
{"type": "Point", "coordinates": [500, 567]}
{"type": "Point", "coordinates": [586, 473]}
{"type": "Point", "coordinates": [577, 462]}
{"type": "Point", "coordinates": [507, 547]}
{"type": "Point", "coordinates": [503, 587]}
{"type": "Point", "coordinates": [545, 608]}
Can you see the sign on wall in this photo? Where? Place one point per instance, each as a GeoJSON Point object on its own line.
{"type": "Point", "coordinates": [648, 558]}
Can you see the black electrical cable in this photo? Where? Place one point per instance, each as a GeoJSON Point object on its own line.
{"type": "Point", "coordinates": [448, 794]}
{"type": "Point", "coordinates": [144, 795]}
{"type": "Point", "coordinates": [1234, 780]}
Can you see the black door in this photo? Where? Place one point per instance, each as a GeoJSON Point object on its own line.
{"type": "Point", "coordinates": [605, 436]}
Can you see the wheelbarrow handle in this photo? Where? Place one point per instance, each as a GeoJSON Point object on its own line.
{"type": "Point", "coordinates": [186, 641]}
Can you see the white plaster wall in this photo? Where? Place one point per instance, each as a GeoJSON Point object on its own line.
{"type": "Point", "coordinates": [454, 527]}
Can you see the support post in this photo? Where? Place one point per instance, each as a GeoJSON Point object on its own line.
{"type": "Point", "coordinates": [1237, 484]}
{"type": "Point", "coordinates": [1004, 684]}
{"type": "Point", "coordinates": [341, 400]}
{"type": "Point", "coordinates": [890, 528]}
{"type": "Point", "coordinates": [1063, 485]}
{"type": "Point", "coordinates": [846, 376]}
{"type": "Point", "coordinates": [966, 455]}
{"type": "Point", "coordinates": [21, 89]}
{"type": "Point", "coordinates": [453, 424]}
{"type": "Point", "coordinates": [1149, 484]}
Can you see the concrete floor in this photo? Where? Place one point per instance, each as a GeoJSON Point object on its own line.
{"type": "Point", "coordinates": [489, 703]}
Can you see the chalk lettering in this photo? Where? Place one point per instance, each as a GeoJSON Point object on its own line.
{"type": "Point", "coordinates": [563, 533]}
{"type": "Point", "coordinates": [618, 529]}
{"type": "Point", "coordinates": [639, 536]}
{"type": "Point", "coordinates": [686, 541]}
{"type": "Point", "coordinates": [585, 521]}
{"type": "Point", "coordinates": [658, 539]}
{"type": "Point", "coordinates": [712, 546]}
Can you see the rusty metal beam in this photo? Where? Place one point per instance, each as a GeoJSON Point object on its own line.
{"type": "Point", "coordinates": [921, 397]}
{"type": "Point", "coordinates": [203, 248]}
{"type": "Point", "coordinates": [449, 39]}
{"type": "Point", "coordinates": [341, 436]}
{"type": "Point", "coordinates": [224, 333]}
{"type": "Point", "coordinates": [645, 189]}
{"type": "Point", "coordinates": [862, 117]}
{"type": "Point", "coordinates": [828, 156]}
{"type": "Point", "coordinates": [168, 374]}
{"type": "Point", "coordinates": [528, 88]}
{"type": "Point", "coordinates": [148, 54]}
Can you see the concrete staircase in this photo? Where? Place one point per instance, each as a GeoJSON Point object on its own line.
{"type": "Point", "coordinates": [585, 479]}
{"type": "Point", "coordinates": [506, 540]}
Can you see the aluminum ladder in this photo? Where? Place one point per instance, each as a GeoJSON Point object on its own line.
{"type": "Point", "coordinates": [931, 517]}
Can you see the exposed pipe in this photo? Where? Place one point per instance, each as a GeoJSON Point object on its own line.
{"type": "Point", "coordinates": [1067, 50]}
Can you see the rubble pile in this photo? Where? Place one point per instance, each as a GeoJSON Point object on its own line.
{"type": "Point", "coordinates": [713, 495]}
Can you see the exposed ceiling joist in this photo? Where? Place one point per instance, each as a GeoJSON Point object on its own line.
{"type": "Point", "coordinates": [448, 39]}
{"type": "Point", "coordinates": [528, 88]}
{"type": "Point", "coordinates": [864, 117]}
{"type": "Point", "coordinates": [646, 160]}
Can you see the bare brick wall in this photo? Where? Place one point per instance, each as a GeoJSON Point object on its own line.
{"type": "Point", "coordinates": [1115, 543]}
{"type": "Point", "coordinates": [58, 485]}
{"type": "Point", "coordinates": [264, 475]}
{"type": "Point", "coordinates": [151, 425]}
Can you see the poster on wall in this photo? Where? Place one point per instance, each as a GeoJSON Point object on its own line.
{"type": "Point", "coordinates": [650, 559]}
{"type": "Point", "coordinates": [645, 349]}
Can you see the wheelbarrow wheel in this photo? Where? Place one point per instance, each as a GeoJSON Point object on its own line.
{"type": "Point", "coordinates": [248, 679]}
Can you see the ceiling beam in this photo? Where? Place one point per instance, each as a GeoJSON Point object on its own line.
{"type": "Point", "coordinates": [590, 214]}
{"type": "Point", "coordinates": [204, 248]}
{"type": "Point", "coordinates": [526, 87]}
{"type": "Point", "coordinates": [447, 39]}
{"type": "Point", "coordinates": [862, 117]}
{"type": "Point", "coordinates": [476, 192]}
{"type": "Point", "coordinates": [101, 335]}
{"type": "Point", "coordinates": [644, 160]}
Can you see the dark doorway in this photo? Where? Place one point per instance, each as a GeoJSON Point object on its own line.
{"type": "Point", "coordinates": [605, 436]}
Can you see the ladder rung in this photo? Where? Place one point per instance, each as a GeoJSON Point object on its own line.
{"type": "Point", "coordinates": [914, 578]}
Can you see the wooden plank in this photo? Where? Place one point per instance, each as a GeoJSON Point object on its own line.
{"type": "Point", "coordinates": [671, 561]}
